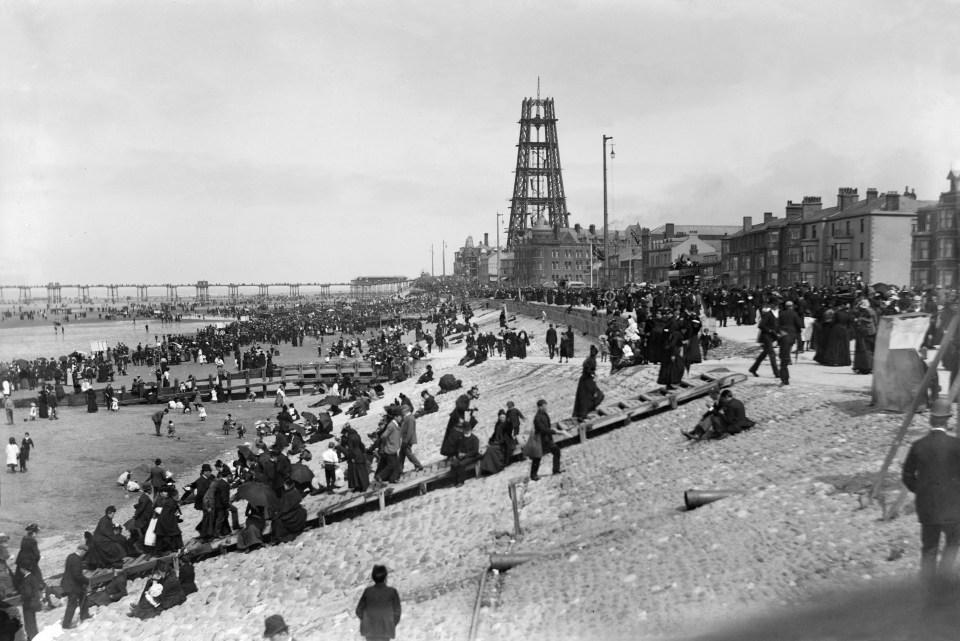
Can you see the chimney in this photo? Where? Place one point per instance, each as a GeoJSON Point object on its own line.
{"type": "Point", "coordinates": [577, 228]}
{"type": "Point", "coordinates": [847, 197]}
{"type": "Point", "coordinates": [668, 230]}
{"type": "Point", "coordinates": [767, 217]}
{"type": "Point", "coordinates": [810, 205]}
{"type": "Point", "coordinates": [793, 210]}
{"type": "Point", "coordinates": [892, 201]}
{"type": "Point", "coordinates": [593, 230]}
{"type": "Point", "coordinates": [747, 223]}
{"type": "Point", "coordinates": [910, 193]}
{"type": "Point", "coordinates": [486, 239]}
{"type": "Point", "coordinates": [872, 193]}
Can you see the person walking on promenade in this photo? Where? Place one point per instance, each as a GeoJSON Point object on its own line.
{"type": "Point", "coordinates": [767, 338]}
{"type": "Point", "coordinates": [379, 608]}
{"type": "Point", "coordinates": [158, 419]}
{"type": "Point", "coordinates": [542, 426]}
{"type": "Point", "coordinates": [932, 472]}
{"type": "Point", "coordinates": [74, 585]}
{"type": "Point", "coordinates": [789, 331]}
{"type": "Point", "coordinates": [25, 446]}
{"type": "Point", "coordinates": [28, 558]}
{"type": "Point", "coordinates": [8, 408]}
{"type": "Point", "coordinates": [408, 438]}
{"type": "Point", "coordinates": [551, 341]}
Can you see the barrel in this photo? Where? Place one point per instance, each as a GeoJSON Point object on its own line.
{"type": "Point", "coordinates": [695, 498]}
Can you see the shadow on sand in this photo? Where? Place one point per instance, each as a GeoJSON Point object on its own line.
{"type": "Point", "coordinates": [904, 610]}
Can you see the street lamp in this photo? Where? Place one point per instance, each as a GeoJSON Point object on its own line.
{"type": "Point", "coordinates": [606, 245]}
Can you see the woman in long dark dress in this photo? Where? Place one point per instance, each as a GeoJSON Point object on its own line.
{"type": "Point", "coordinates": [865, 332]}
{"type": "Point", "coordinates": [108, 547]}
{"type": "Point", "coordinates": [91, 401]}
{"type": "Point", "coordinates": [500, 446]}
{"type": "Point", "coordinates": [589, 396]}
{"type": "Point", "coordinates": [358, 471]}
{"type": "Point", "coordinates": [671, 365]}
{"type": "Point", "coordinates": [169, 537]}
{"type": "Point", "coordinates": [44, 406]}
{"type": "Point", "coordinates": [690, 328]}
{"type": "Point", "coordinates": [291, 518]}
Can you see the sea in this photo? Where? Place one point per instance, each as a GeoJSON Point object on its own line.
{"type": "Point", "coordinates": [40, 340]}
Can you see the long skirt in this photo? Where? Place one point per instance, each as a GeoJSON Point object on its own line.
{"type": "Point", "coordinates": [863, 356]}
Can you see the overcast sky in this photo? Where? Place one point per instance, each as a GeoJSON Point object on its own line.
{"type": "Point", "coordinates": [154, 142]}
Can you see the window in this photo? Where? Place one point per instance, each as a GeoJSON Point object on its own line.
{"type": "Point", "coordinates": [693, 250]}
{"type": "Point", "coordinates": [862, 224]}
{"type": "Point", "coordinates": [833, 229]}
{"type": "Point", "coordinates": [761, 261]}
{"type": "Point", "coordinates": [918, 277]}
{"type": "Point", "coordinates": [945, 277]}
{"type": "Point", "coordinates": [794, 233]}
{"type": "Point", "coordinates": [921, 249]}
{"type": "Point", "coordinates": [843, 251]}
{"type": "Point", "coordinates": [746, 262]}
{"type": "Point", "coordinates": [773, 258]}
{"type": "Point", "coordinates": [810, 254]}
{"type": "Point", "coordinates": [814, 229]}
{"type": "Point", "coordinates": [946, 219]}
{"type": "Point", "coordinates": [946, 248]}
{"type": "Point", "coordinates": [861, 244]}
{"type": "Point", "coordinates": [793, 255]}
{"type": "Point", "coordinates": [848, 228]}
{"type": "Point", "coordinates": [734, 263]}
{"type": "Point", "coordinates": [921, 224]}
{"type": "Point", "coordinates": [808, 277]}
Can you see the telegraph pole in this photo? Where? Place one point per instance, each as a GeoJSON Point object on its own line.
{"type": "Point", "coordinates": [444, 258]}
{"type": "Point", "coordinates": [431, 260]}
{"type": "Point", "coordinates": [499, 258]}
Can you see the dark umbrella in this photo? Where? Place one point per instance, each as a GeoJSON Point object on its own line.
{"type": "Point", "coordinates": [300, 473]}
{"type": "Point", "coordinates": [299, 429]}
{"type": "Point", "coordinates": [326, 423]}
{"type": "Point", "coordinates": [883, 288]}
{"type": "Point", "coordinates": [246, 452]}
{"type": "Point", "coordinates": [309, 417]}
{"type": "Point", "coordinates": [259, 495]}
{"type": "Point", "coordinates": [330, 400]}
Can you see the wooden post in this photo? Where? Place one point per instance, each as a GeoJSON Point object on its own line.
{"type": "Point", "coordinates": [512, 491]}
{"type": "Point", "coordinates": [948, 335]}
{"type": "Point", "coordinates": [582, 431]}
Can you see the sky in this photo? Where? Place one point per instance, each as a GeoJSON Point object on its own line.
{"type": "Point", "coordinates": [170, 142]}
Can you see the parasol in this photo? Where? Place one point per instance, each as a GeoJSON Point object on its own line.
{"type": "Point", "coordinates": [258, 495]}
{"type": "Point", "coordinates": [246, 452]}
{"type": "Point", "coordinates": [309, 417]}
{"type": "Point", "coordinates": [300, 473]}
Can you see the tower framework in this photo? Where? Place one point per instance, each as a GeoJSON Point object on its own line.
{"type": "Point", "coordinates": [538, 182]}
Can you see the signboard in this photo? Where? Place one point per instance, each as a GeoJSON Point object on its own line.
{"type": "Point", "coordinates": [243, 319]}
{"type": "Point", "coordinates": [98, 346]}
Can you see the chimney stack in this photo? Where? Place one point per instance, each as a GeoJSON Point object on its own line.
{"type": "Point", "coordinates": [810, 205]}
{"type": "Point", "coordinates": [668, 231]}
{"type": "Point", "coordinates": [577, 228]}
{"type": "Point", "coordinates": [892, 201]}
{"type": "Point", "coordinates": [793, 210]}
{"type": "Point", "coordinates": [486, 239]}
{"type": "Point", "coordinates": [593, 230]}
{"type": "Point", "coordinates": [747, 223]}
{"type": "Point", "coordinates": [872, 193]}
{"type": "Point", "coordinates": [847, 197]}
{"type": "Point", "coordinates": [767, 217]}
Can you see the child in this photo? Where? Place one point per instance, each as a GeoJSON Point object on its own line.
{"type": "Point", "coordinates": [171, 431]}
{"type": "Point", "coordinates": [202, 411]}
{"type": "Point", "coordinates": [34, 412]}
{"type": "Point", "coordinates": [604, 347]}
{"type": "Point", "coordinates": [114, 404]}
{"type": "Point", "coordinates": [241, 430]}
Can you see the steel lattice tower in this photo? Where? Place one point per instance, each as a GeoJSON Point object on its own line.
{"type": "Point", "coordinates": [538, 183]}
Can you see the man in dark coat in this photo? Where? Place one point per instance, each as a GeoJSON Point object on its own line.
{"type": "Point", "coordinates": [790, 329]}
{"type": "Point", "coordinates": [157, 419]}
{"type": "Point", "coordinates": [73, 584]}
{"type": "Point", "coordinates": [157, 478]}
{"type": "Point", "coordinates": [932, 472]}
{"type": "Point", "coordinates": [767, 338]}
{"type": "Point", "coordinates": [142, 513]}
{"type": "Point", "coordinates": [200, 487]}
{"type": "Point", "coordinates": [28, 558]}
{"type": "Point", "coordinates": [551, 340]}
{"type": "Point", "coordinates": [379, 608]}
{"type": "Point", "coordinates": [108, 546]}
{"type": "Point", "coordinates": [733, 415]}
{"type": "Point", "coordinates": [544, 429]}
{"type": "Point", "coordinates": [429, 404]}
{"type": "Point", "coordinates": [408, 438]}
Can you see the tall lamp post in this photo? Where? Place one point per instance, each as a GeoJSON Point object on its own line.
{"type": "Point", "coordinates": [444, 258]}
{"type": "Point", "coordinates": [606, 245]}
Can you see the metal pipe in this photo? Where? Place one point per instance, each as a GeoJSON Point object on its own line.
{"type": "Point", "coordinates": [476, 606]}
{"type": "Point", "coordinates": [503, 562]}
{"type": "Point", "coordinates": [696, 498]}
